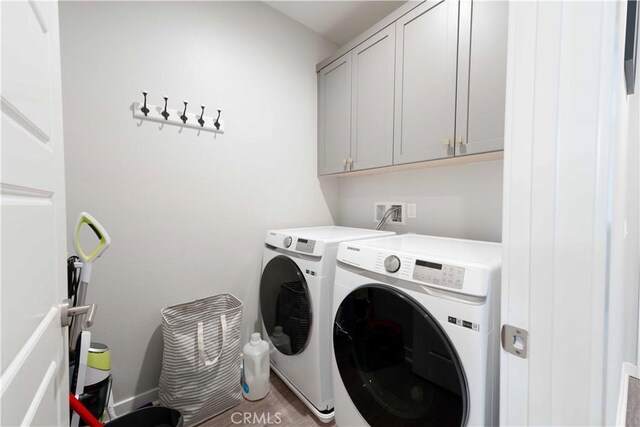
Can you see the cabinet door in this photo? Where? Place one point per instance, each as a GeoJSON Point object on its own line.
{"type": "Point", "coordinates": [426, 50]}
{"type": "Point", "coordinates": [334, 116]}
{"type": "Point", "coordinates": [482, 75]}
{"type": "Point", "coordinates": [372, 101]}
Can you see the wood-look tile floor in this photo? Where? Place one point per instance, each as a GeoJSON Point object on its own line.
{"type": "Point", "coordinates": [292, 412]}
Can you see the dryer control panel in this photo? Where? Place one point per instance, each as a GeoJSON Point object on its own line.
{"type": "Point", "coordinates": [305, 245]}
{"type": "Point", "coordinates": [293, 243]}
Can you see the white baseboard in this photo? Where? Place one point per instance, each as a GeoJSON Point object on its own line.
{"type": "Point", "coordinates": [134, 402]}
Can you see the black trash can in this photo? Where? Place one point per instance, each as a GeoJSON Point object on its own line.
{"type": "Point", "coordinates": [152, 416]}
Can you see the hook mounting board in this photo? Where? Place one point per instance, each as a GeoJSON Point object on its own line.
{"type": "Point", "coordinates": [155, 115]}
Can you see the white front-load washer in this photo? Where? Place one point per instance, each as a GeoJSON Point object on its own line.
{"type": "Point", "coordinates": [415, 335]}
{"type": "Point", "coordinates": [298, 270]}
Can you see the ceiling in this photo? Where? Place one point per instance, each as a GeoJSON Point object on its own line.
{"type": "Point", "coordinates": [338, 21]}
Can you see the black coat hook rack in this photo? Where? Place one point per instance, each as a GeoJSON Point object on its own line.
{"type": "Point", "coordinates": [144, 111]}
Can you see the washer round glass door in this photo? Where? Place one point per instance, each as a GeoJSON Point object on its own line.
{"type": "Point", "coordinates": [396, 362]}
{"type": "Point", "coordinates": [285, 305]}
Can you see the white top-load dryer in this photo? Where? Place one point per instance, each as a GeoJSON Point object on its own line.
{"type": "Point", "coordinates": [416, 332]}
{"type": "Point", "coordinates": [296, 292]}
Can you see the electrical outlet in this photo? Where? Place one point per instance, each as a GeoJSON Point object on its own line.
{"type": "Point", "coordinates": [412, 210]}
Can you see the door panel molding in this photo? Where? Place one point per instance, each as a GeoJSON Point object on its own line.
{"type": "Point", "coordinates": [39, 17]}
{"type": "Point", "coordinates": [11, 194]}
{"type": "Point", "coordinates": [19, 360]}
{"type": "Point", "coordinates": [22, 120]}
{"type": "Point", "coordinates": [37, 399]}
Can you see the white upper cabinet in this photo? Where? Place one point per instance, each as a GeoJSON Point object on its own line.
{"type": "Point", "coordinates": [334, 116]}
{"type": "Point", "coordinates": [427, 82]}
{"type": "Point", "coordinates": [425, 90]}
{"type": "Point", "coordinates": [482, 74]}
{"type": "Point", "coordinates": [372, 101]}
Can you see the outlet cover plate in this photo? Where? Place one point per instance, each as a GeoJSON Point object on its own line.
{"type": "Point", "coordinates": [412, 210]}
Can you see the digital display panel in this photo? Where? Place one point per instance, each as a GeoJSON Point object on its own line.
{"type": "Point", "coordinates": [429, 264]}
{"type": "Point", "coordinates": [305, 245]}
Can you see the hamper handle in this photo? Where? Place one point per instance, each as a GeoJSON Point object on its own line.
{"type": "Point", "coordinates": [203, 356]}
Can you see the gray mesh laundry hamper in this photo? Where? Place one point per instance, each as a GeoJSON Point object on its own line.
{"type": "Point", "coordinates": [201, 359]}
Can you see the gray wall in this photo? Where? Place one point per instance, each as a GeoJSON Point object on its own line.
{"type": "Point", "coordinates": [187, 213]}
{"type": "Point", "coordinates": [462, 201]}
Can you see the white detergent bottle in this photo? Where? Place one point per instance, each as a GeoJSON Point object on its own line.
{"type": "Point", "coordinates": [281, 341]}
{"type": "Point", "coordinates": [255, 371]}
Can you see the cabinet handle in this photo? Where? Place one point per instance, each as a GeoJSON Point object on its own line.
{"type": "Point", "coordinates": [344, 162]}
{"type": "Point", "coordinates": [350, 163]}
{"type": "Point", "coordinates": [459, 140]}
{"type": "Point", "coordinates": [446, 141]}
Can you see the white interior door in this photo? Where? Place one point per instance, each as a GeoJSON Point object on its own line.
{"type": "Point", "coordinates": [33, 359]}
{"type": "Point", "coordinates": [562, 147]}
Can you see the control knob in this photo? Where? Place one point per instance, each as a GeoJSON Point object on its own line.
{"type": "Point", "coordinates": [392, 263]}
{"type": "Point", "coordinates": [287, 241]}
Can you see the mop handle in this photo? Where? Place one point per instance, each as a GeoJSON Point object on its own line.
{"type": "Point", "coordinates": [84, 413]}
{"type": "Point", "coordinates": [87, 258]}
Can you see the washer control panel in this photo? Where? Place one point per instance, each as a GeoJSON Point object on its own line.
{"type": "Point", "coordinates": [305, 245]}
{"type": "Point", "coordinates": [429, 269]}
{"type": "Point", "coordinates": [438, 274]}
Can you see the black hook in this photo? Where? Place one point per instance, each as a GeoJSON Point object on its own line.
{"type": "Point", "coordinates": [165, 113]}
{"type": "Point", "coordinates": [200, 120]}
{"type": "Point", "coordinates": [144, 108]}
{"type": "Point", "coordinates": [184, 117]}
{"type": "Point", "coordinates": [217, 122]}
